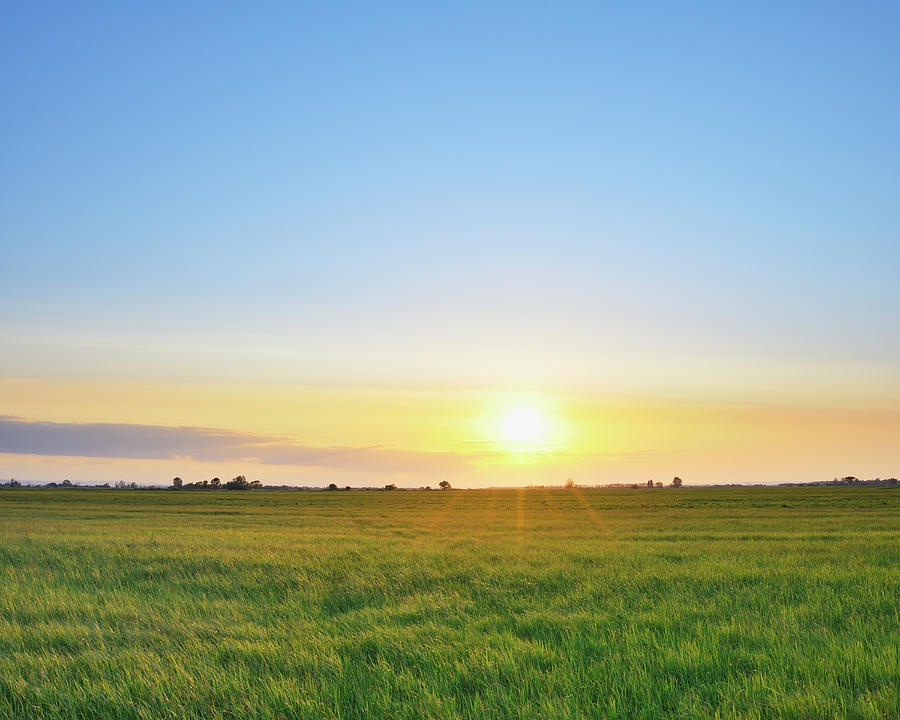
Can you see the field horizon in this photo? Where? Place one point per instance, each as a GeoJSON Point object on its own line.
{"type": "Point", "coordinates": [203, 485]}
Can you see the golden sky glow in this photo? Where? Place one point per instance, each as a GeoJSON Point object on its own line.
{"type": "Point", "coordinates": [472, 437]}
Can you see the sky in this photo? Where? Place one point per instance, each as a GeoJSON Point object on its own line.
{"type": "Point", "coordinates": [494, 243]}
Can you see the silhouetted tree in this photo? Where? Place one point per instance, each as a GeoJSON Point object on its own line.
{"type": "Point", "coordinates": [177, 483]}
{"type": "Point", "coordinates": [649, 483]}
{"type": "Point", "coordinates": [332, 486]}
{"type": "Point", "coordinates": [444, 484]}
{"type": "Point", "coordinates": [255, 484]}
{"type": "Point", "coordinates": [348, 488]}
{"type": "Point", "coordinates": [676, 481]}
{"type": "Point", "coordinates": [215, 482]}
{"type": "Point", "coordinates": [658, 484]}
{"type": "Point", "coordinates": [391, 486]}
{"type": "Point", "coordinates": [238, 483]}
{"type": "Point", "coordinates": [570, 483]}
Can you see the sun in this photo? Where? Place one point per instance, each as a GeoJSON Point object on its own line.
{"type": "Point", "coordinates": [523, 426]}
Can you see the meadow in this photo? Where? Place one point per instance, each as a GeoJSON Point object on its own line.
{"type": "Point", "coordinates": [688, 603]}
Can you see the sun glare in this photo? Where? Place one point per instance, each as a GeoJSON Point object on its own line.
{"type": "Point", "coordinates": [522, 425]}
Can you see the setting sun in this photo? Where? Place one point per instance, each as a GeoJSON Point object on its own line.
{"type": "Point", "coordinates": [523, 425]}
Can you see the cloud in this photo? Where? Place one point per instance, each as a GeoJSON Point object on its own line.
{"type": "Point", "coordinates": [19, 436]}
{"type": "Point", "coordinates": [121, 440]}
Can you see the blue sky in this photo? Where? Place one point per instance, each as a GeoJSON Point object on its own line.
{"type": "Point", "coordinates": [694, 200]}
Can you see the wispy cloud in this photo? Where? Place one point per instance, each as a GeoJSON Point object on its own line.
{"type": "Point", "coordinates": [21, 436]}
{"type": "Point", "coordinates": [120, 440]}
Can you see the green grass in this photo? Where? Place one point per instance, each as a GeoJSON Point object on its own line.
{"type": "Point", "coordinates": [731, 603]}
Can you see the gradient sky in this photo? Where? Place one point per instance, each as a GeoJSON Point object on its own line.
{"type": "Point", "coordinates": [341, 242]}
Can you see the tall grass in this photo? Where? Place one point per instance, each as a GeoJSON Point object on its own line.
{"type": "Point", "coordinates": [730, 603]}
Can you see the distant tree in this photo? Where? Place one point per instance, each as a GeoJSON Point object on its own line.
{"type": "Point", "coordinates": [658, 484]}
{"type": "Point", "coordinates": [215, 482]}
{"type": "Point", "coordinates": [570, 483]}
{"type": "Point", "coordinates": [199, 485]}
{"type": "Point", "coordinates": [255, 484]}
{"type": "Point", "coordinates": [428, 487]}
{"type": "Point", "coordinates": [238, 483]}
{"type": "Point", "coordinates": [177, 483]}
{"type": "Point", "coordinates": [348, 488]}
{"type": "Point", "coordinates": [66, 483]}
{"type": "Point", "coordinates": [12, 483]}
{"type": "Point", "coordinates": [332, 486]}
{"type": "Point", "coordinates": [650, 483]}
{"type": "Point", "coordinates": [676, 481]}
{"type": "Point", "coordinates": [390, 486]}
{"type": "Point", "coordinates": [444, 484]}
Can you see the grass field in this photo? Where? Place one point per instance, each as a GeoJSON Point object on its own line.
{"type": "Point", "coordinates": [731, 603]}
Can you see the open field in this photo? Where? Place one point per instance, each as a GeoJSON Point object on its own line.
{"type": "Point", "coordinates": [731, 603]}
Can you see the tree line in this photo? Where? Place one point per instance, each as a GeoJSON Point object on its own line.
{"type": "Point", "coordinates": [238, 483]}
{"type": "Point", "coordinates": [241, 483]}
